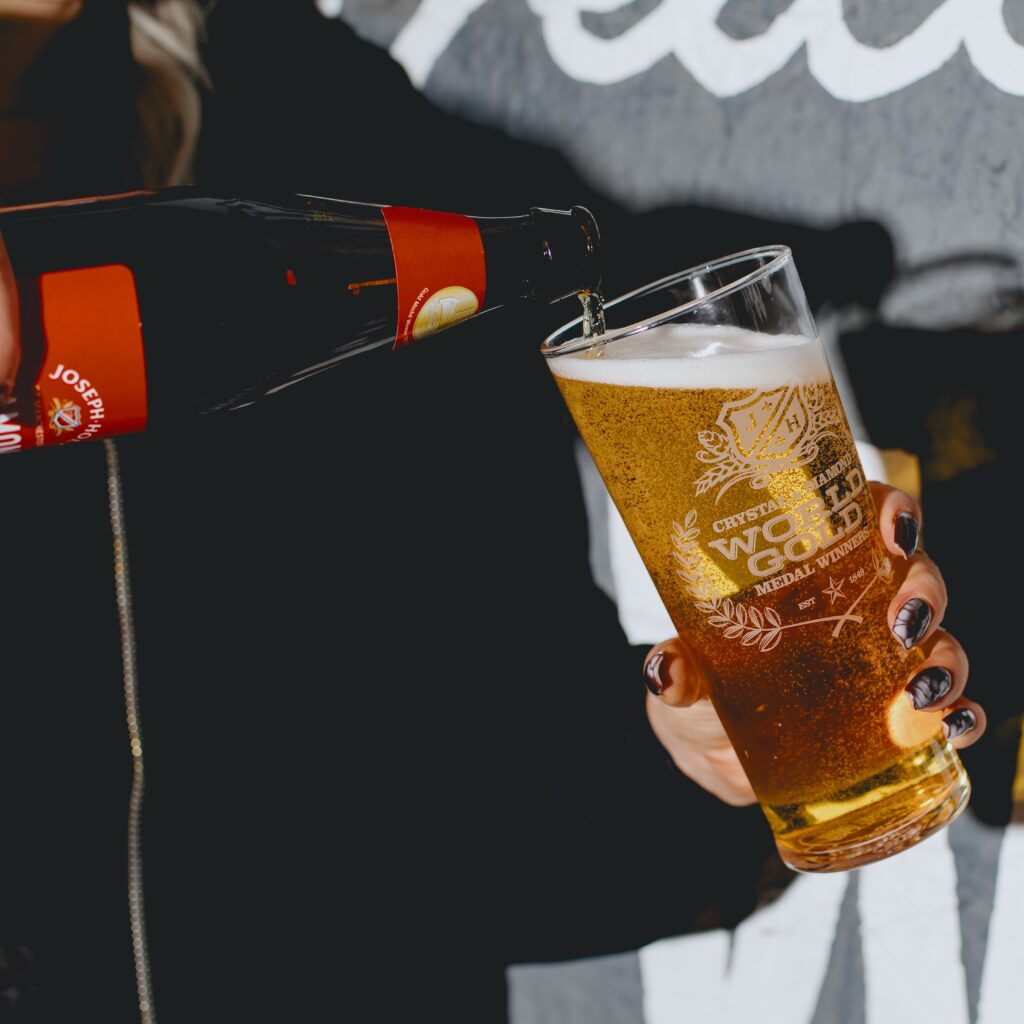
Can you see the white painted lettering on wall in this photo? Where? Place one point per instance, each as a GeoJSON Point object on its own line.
{"type": "Point", "coordinates": [330, 8]}
{"type": "Point", "coordinates": [700, 978]}
{"type": "Point", "coordinates": [724, 66]}
{"type": "Point", "coordinates": [1002, 982]}
{"type": "Point", "coordinates": [903, 902]}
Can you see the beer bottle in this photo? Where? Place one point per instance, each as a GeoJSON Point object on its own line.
{"type": "Point", "coordinates": [142, 308]}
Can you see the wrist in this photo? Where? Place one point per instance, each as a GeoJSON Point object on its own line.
{"type": "Point", "coordinates": [698, 751]}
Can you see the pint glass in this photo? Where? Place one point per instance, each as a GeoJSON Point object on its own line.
{"type": "Point", "coordinates": [710, 411]}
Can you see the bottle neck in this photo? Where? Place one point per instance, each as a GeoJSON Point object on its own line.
{"type": "Point", "coordinates": [546, 255]}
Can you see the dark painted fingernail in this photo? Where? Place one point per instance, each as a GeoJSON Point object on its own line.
{"type": "Point", "coordinates": [907, 533]}
{"type": "Point", "coordinates": [958, 722]}
{"type": "Point", "coordinates": [929, 686]}
{"type": "Point", "coordinates": [656, 674]}
{"type": "Point", "coordinates": [912, 621]}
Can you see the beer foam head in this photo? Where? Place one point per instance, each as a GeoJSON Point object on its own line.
{"type": "Point", "coordinates": [697, 356]}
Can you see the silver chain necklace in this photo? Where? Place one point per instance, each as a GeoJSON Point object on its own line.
{"type": "Point", "coordinates": [122, 588]}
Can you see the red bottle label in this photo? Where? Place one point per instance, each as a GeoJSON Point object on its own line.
{"type": "Point", "coordinates": [440, 268]}
{"type": "Point", "coordinates": [82, 373]}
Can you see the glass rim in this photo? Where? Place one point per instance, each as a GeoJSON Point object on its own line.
{"type": "Point", "coordinates": [779, 255]}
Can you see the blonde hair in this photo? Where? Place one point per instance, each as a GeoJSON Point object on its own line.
{"type": "Point", "coordinates": [165, 39]}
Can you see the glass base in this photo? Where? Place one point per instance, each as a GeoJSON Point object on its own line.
{"type": "Point", "coordinates": [878, 829]}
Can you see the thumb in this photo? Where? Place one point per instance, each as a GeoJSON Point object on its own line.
{"type": "Point", "coordinates": [675, 673]}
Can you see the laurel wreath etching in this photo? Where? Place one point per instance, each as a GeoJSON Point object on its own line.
{"type": "Point", "coordinates": [750, 625]}
{"type": "Point", "coordinates": [816, 411]}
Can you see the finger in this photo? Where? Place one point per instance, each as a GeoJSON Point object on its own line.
{"type": "Point", "coordinates": [10, 329]}
{"type": "Point", "coordinates": [939, 681]}
{"type": "Point", "coordinates": [920, 603]}
{"type": "Point", "coordinates": [674, 673]}
{"type": "Point", "coordinates": [899, 519]}
{"type": "Point", "coordinates": [964, 723]}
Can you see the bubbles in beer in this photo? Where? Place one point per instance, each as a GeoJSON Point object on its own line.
{"type": "Point", "coordinates": [735, 442]}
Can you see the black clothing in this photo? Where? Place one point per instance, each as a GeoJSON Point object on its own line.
{"type": "Point", "coordinates": [394, 735]}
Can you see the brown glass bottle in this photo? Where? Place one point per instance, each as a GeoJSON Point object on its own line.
{"type": "Point", "coordinates": [137, 310]}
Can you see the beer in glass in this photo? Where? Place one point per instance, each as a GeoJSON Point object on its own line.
{"type": "Point", "coordinates": [710, 410]}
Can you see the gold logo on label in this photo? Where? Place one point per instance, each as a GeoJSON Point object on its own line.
{"type": "Point", "coordinates": [445, 308]}
{"type": "Point", "coordinates": [65, 416]}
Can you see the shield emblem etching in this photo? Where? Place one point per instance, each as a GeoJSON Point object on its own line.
{"type": "Point", "coordinates": [750, 419]}
{"type": "Point", "coordinates": [764, 433]}
{"type": "Point", "coordinates": [766, 425]}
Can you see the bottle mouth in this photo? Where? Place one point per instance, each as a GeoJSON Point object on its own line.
{"type": "Point", "coordinates": [572, 250]}
{"type": "Point", "coordinates": [584, 220]}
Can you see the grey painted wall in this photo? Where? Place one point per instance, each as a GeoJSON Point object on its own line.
{"type": "Point", "coordinates": [861, 109]}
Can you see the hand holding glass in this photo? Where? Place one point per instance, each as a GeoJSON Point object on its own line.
{"type": "Point", "coordinates": [711, 413]}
